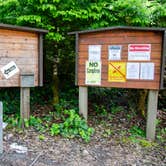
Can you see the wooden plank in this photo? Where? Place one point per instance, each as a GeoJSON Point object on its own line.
{"type": "Point", "coordinates": [18, 53]}
{"type": "Point", "coordinates": [1, 128]}
{"type": "Point", "coordinates": [154, 47]}
{"type": "Point", "coordinates": [24, 104]}
{"type": "Point", "coordinates": [152, 114]}
{"type": "Point", "coordinates": [114, 33]}
{"type": "Point", "coordinates": [141, 85]}
{"type": "Point", "coordinates": [163, 62]}
{"type": "Point", "coordinates": [120, 40]}
{"type": "Point", "coordinates": [16, 46]}
{"type": "Point", "coordinates": [17, 33]}
{"type": "Point", "coordinates": [83, 102]}
{"type": "Point", "coordinates": [19, 61]}
{"type": "Point", "coordinates": [76, 58]}
{"type": "Point", "coordinates": [40, 60]}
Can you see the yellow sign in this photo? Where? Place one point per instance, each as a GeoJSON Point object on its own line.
{"type": "Point", "coordinates": [117, 71]}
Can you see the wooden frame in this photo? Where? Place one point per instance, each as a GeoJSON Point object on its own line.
{"type": "Point", "coordinates": [160, 67]}
{"type": "Point", "coordinates": [19, 47]}
{"type": "Point", "coordinates": [157, 58]}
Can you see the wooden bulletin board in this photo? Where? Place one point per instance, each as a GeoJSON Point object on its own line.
{"type": "Point", "coordinates": [123, 57]}
{"type": "Point", "coordinates": [21, 52]}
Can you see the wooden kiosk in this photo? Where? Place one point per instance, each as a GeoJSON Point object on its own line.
{"type": "Point", "coordinates": [21, 60]}
{"type": "Point", "coordinates": [122, 57]}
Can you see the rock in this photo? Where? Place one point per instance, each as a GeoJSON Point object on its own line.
{"type": "Point", "coordinates": [85, 153]}
{"type": "Point", "coordinates": [8, 136]}
{"type": "Point", "coordinates": [18, 148]}
{"type": "Point", "coordinates": [4, 125]}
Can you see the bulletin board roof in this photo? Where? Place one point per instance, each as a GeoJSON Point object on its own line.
{"type": "Point", "coordinates": [119, 27]}
{"type": "Point", "coordinates": [22, 28]}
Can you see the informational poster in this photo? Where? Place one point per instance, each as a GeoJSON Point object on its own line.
{"type": "Point", "coordinates": [94, 52]}
{"type": "Point", "coordinates": [147, 71]}
{"type": "Point", "coordinates": [9, 70]}
{"type": "Point", "coordinates": [139, 52]}
{"type": "Point", "coordinates": [114, 52]}
{"type": "Point", "coordinates": [93, 73]}
{"type": "Point", "coordinates": [117, 72]}
{"type": "Point", "coordinates": [132, 70]}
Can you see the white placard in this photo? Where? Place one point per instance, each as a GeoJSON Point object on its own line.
{"type": "Point", "coordinates": [94, 52]}
{"type": "Point", "coordinates": [147, 71]}
{"type": "Point", "coordinates": [114, 52]}
{"type": "Point", "coordinates": [132, 70]}
{"type": "Point", "coordinates": [9, 70]}
{"type": "Point", "coordinates": [139, 51]}
{"type": "Point", "coordinates": [93, 73]}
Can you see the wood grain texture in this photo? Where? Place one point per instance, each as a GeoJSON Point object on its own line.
{"type": "Point", "coordinates": [123, 38]}
{"type": "Point", "coordinates": [22, 48]}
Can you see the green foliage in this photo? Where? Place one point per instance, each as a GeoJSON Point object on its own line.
{"type": "Point", "coordinates": [55, 129]}
{"type": "Point", "coordinates": [41, 137]}
{"type": "Point", "coordinates": [67, 124]}
{"type": "Point", "coordinates": [73, 126]}
{"type": "Point", "coordinates": [137, 132]}
{"type": "Point", "coordinates": [161, 135]}
{"type": "Point", "coordinates": [11, 100]}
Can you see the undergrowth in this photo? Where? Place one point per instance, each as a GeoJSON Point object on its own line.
{"type": "Point", "coordinates": [67, 124]}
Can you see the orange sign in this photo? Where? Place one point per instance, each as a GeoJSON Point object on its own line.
{"type": "Point", "coordinates": [117, 71]}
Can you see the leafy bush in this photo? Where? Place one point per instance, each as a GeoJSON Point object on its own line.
{"type": "Point", "coordinates": [67, 124]}
{"type": "Point", "coordinates": [72, 126]}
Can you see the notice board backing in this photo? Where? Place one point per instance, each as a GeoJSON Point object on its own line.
{"type": "Point", "coordinates": [127, 44]}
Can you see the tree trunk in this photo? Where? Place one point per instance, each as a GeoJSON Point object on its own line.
{"type": "Point", "coordinates": [142, 102]}
{"type": "Point", "coordinates": [55, 85]}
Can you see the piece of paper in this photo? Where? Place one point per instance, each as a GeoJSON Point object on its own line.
{"type": "Point", "coordinates": [139, 51]}
{"type": "Point", "coordinates": [147, 71]}
{"type": "Point", "coordinates": [117, 72]}
{"type": "Point", "coordinates": [93, 73]}
{"type": "Point", "coordinates": [114, 52]}
{"type": "Point", "coordinates": [132, 70]}
{"type": "Point", "coordinates": [94, 53]}
{"type": "Point", "coordinates": [9, 70]}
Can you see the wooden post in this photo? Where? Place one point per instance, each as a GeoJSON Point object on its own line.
{"type": "Point", "coordinates": [152, 114]}
{"type": "Point", "coordinates": [1, 127]}
{"type": "Point", "coordinates": [83, 102]}
{"type": "Point", "coordinates": [25, 103]}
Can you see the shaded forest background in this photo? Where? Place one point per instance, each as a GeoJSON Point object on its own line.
{"type": "Point", "coordinates": [63, 16]}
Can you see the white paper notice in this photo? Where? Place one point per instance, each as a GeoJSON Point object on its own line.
{"type": "Point", "coordinates": [93, 73]}
{"type": "Point", "coordinates": [94, 53]}
{"type": "Point", "coordinates": [9, 70]}
{"type": "Point", "coordinates": [132, 70]}
{"type": "Point", "coordinates": [139, 51]}
{"type": "Point", "coordinates": [147, 71]}
{"type": "Point", "coordinates": [114, 52]}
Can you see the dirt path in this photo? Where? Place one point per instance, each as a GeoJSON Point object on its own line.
{"type": "Point", "coordinates": [57, 151]}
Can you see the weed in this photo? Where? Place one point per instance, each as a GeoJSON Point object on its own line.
{"type": "Point", "coordinates": [100, 110]}
{"type": "Point", "coordinates": [41, 137]}
{"type": "Point", "coordinates": [161, 135]}
{"type": "Point", "coordinates": [116, 109]}
{"type": "Point", "coordinates": [137, 132]}
{"type": "Point", "coordinates": [73, 126]}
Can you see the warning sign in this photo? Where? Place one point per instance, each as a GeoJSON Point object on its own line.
{"type": "Point", "coordinates": [139, 51]}
{"type": "Point", "coordinates": [117, 72]}
{"type": "Point", "coordinates": [93, 73]}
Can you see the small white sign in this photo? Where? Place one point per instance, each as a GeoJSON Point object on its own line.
{"type": "Point", "coordinates": [9, 70]}
{"type": "Point", "coordinates": [139, 51]}
{"type": "Point", "coordinates": [114, 52]}
{"type": "Point", "coordinates": [132, 70]}
{"type": "Point", "coordinates": [94, 53]}
{"type": "Point", "coordinates": [93, 73]}
{"type": "Point", "coordinates": [147, 71]}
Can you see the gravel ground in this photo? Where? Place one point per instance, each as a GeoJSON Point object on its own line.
{"type": "Point", "coordinates": [109, 146]}
{"type": "Point", "coordinates": [57, 151]}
